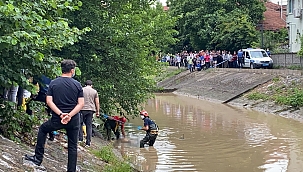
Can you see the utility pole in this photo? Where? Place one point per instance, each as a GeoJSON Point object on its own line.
{"type": "Point", "coordinates": [262, 37]}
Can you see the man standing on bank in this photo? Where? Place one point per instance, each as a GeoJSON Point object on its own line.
{"type": "Point", "coordinates": [65, 98]}
{"type": "Point", "coordinates": [91, 106]}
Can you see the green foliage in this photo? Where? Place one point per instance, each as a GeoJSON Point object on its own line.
{"type": "Point", "coordinates": [119, 167]}
{"type": "Point", "coordinates": [29, 33]}
{"type": "Point", "coordinates": [276, 79]}
{"type": "Point", "coordinates": [114, 164]}
{"type": "Point", "coordinates": [296, 99]}
{"type": "Point", "coordinates": [106, 154]}
{"type": "Point", "coordinates": [200, 23]}
{"type": "Point", "coordinates": [16, 124]}
{"type": "Point", "coordinates": [257, 96]}
{"type": "Point", "coordinates": [116, 54]}
{"type": "Point", "coordinates": [293, 97]}
{"type": "Point", "coordinates": [300, 53]}
{"type": "Point", "coordinates": [274, 40]}
{"type": "Point", "coordinates": [294, 67]}
{"type": "Point", "coordinates": [290, 93]}
{"type": "Point", "coordinates": [169, 73]}
{"type": "Point", "coordinates": [235, 31]}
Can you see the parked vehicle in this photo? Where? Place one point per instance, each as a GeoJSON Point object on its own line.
{"type": "Point", "coordinates": [257, 58]}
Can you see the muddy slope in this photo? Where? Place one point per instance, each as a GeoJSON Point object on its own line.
{"type": "Point", "coordinates": [55, 159]}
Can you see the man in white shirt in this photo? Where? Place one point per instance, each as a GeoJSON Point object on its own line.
{"type": "Point", "coordinates": [91, 106]}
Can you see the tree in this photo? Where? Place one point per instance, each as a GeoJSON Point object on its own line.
{"type": "Point", "coordinates": [198, 20]}
{"type": "Point", "coordinates": [29, 32]}
{"type": "Point", "coordinates": [116, 54]}
{"type": "Point", "coordinates": [234, 31]}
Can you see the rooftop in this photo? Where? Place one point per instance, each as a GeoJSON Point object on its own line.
{"type": "Point", "coordinates": [272, 17]}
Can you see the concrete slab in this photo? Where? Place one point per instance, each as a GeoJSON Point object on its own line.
{"type": "Point", "coordinates": [218, 85]}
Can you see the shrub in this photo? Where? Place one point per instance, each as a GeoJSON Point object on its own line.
{"type": "Point", "coordinates": [114, 164]}
{"type": "Point", "coordinates": [294, 67]}
{"type": "Point", "coordinates": [296, 99]}
{"type": "Point", "coordinates": [16, 124]}
{"type": "Point", "coordinates": [281, 100]}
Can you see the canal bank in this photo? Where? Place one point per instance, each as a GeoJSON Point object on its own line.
{"type": "Point", "coordinates": [258, 89]}
{"type": "Point", "coordinates": [101, 156]}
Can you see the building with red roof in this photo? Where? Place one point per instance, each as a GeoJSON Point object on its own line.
{"type": "Point", "coordinates": [274, 17]}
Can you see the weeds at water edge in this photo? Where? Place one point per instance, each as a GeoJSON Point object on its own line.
{"type": "Point", "coordinates": [114, 164]}
{"type": "Point", "coordinates": [257, 96]}
{"type": "Point", "coordinates": [282, 93]}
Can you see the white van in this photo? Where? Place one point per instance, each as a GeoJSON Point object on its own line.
{"type": "Point", "coordinates": [257, 58]}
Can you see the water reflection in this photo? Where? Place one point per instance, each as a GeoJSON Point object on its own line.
{"type": "Point", "coordinates": [197, 135]}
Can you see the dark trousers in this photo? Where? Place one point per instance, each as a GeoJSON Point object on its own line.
{"type": "Point", "coordinates": [230, 64]}
{"type": "Point", "coordinates": [111, 125]}
{"type": "Point", "coordinates": [149, 138]}
{"type": "Point", "coordinates": [235, 65]}
{"type": "Point", "coordinates": [72, 130]}
{"type": "Point", "coordinates": [241, 62]}
{"type": "Point", "coordinates": [19, 96]}
{"type": "Point", "coordinates": [87, 119]}
{"type": "Point", "coordinates": [207, 64]}
{"type": "Point", "coordinates": [41, 97]}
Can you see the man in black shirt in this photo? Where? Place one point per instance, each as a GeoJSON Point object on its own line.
{"type": "Point", "coordinates": [65, 98]}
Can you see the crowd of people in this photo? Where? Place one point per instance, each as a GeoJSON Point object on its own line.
{"type": "Point", "coordinates": [203, 60]}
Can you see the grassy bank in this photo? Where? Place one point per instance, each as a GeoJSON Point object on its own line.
{"type": "Point", "coordinates": [168, 72]}
{"type": "Point", "coordinates": [281, 90]}
{"type": "Point", "coordinates": [114, 164]}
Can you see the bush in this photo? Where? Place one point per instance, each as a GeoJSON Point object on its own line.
{"type": "Point", "coordinates": [296, 99]}
{"type": "Point", "coordinates": [16, 124]}
{"type": "Point", "coordinates": [281, 100]}
{"type": "Point", "coordinates": [294, 67]}
{"type": "Point", "coordinates": [106, 154]}
{"type": "Point", "coordinates": [114, 164]}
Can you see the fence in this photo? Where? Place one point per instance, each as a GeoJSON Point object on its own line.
{"type": "Point", "coordinates": [287, 60]}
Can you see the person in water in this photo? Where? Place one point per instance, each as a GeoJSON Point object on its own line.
{"type": "Point", "coordinates": [151, 129]}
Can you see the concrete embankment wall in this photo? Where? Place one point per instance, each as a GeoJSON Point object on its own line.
{"type": "Point", "coordinates": [221, 85]}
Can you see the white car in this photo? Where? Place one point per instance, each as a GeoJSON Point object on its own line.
{"type": "Point", "coordinates": [257, 58]}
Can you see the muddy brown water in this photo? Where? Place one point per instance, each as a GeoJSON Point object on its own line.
{"type": "Point", "coordinates": [201, 136]}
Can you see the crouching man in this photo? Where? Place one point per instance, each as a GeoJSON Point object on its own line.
{"type": "Point", "coordinates": [114, 123]}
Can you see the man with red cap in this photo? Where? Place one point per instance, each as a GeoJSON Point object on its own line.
{"type": "Point", "coordinates": [112, 123]}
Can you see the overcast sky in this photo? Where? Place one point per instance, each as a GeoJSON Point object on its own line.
{"type": "Point", "coordinates": [274, 1]}
{"type": "Point", "coordinates": [284, 2]}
